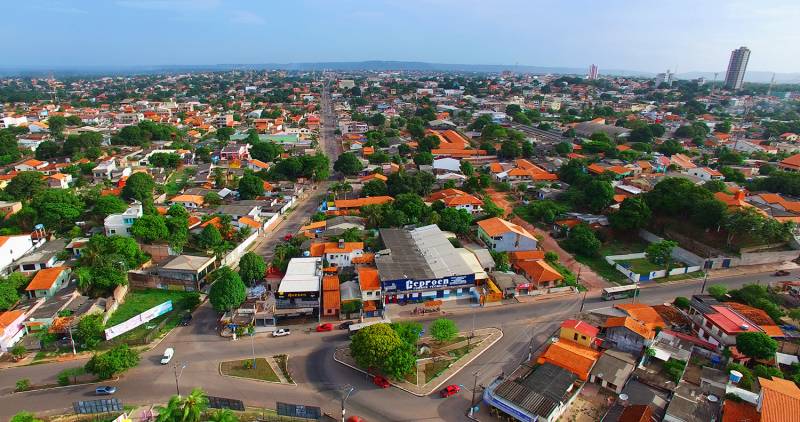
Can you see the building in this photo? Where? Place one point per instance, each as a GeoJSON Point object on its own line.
{"type": "Point", "coordinates": [737, 66]}
{"type": "Point", "coordinates": [9, 208]}
{"type": "Point", "coordinates": [503, 236]}
{"type": "Point", "coordinates": [182, 272]}
{"type": "Point", "coordinates": [460, 200]}
{"type": "Point", "coordinates": [11, 328]}
{"type": "Point", "coordinates": [779, 400]}
{"type": "Point", "coordinates": [571, 356]}
{"type": "Point", "coordinates": [627, 334]}
{"type": "Point", "coordinates": [13, 248]}
{"type": "Point", "coordinates": [190, 202]}
{"type": "Point", "coordinates": [299, 290]}
{"type": "Point", "coordinates": [705, 174]}
{"type": "Point", "coordinates": [579, 332]}
{"type": "Point", "coordinates": [719, 323]}
{"type": "Point", "coordinates": [46, 256]}
{"type": "Point", "coordinates": [47, 282]}
{"type": "Point", "coordinates": [592, 75]}
{"type": "Point", "coordinates": [331, 296]}
{"type": "Point", "coordinates": [613, 369]}
{"type": "Point", "coordinates": [422, 264]}
{"type": "Point", "coordinates": [104, 170]}
{"type": "Point", "coordinates": [370, 285]}
{"type": "Point", "coordinates": [791, 163]}
{"type": "Point", "coordinates": [338, 254]}
{"type": "Point", "coordinates": [541, 394]}
{"type": "Point", "coordinates": [120, 224]}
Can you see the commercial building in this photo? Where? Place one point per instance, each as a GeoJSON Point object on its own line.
{"type": "Point", "coordinates": [737, 66]}
{"type": "Point", "coordinates": [539, 393]}
{"type": "Point", "coordinates": [298, 293]}
{"type": "Point", "coordinates": [421, 264]}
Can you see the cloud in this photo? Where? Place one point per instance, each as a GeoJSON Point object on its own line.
{"type": "Point", "coordinates": [246, 18]}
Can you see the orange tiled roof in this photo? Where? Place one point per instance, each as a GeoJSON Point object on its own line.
{"type": "Point", "coordinates": [497, 227]}
{"type": "Point", "coordinates": [45, 278]}
{"type": "Point", "coordinates": [780, 400]}
{"type": "Point", "coordinates": [8, 317]}
{"type": "Point", "coordinates": [331, 299]}
{"type": "Point", "coordinates": [539, 271]}
{"type": "Point", "coordinates": [574, 358]}
{"type": "Point", "coordinates": [368, 278]}
{"type": "Point", "coordinates": [195, 199]}
{"type": "Point", "coordinates": [248, 221]}
{"type": "Point", "coordinates": [330, 282]}
{"type": "Point", "coordinates": [360, 202]}
{"type": "Point", "coordinates": [366, 258]}
{"type": "Point", "coordinates": [526, 255]}
{"type": "Point", "coordinates": [633, 325]}
{"type": "Point", "coordinates": [793, 161]}
{"type": "Point", "coordinates": [739, 412]}
{"type": "Point", "coordinates": [642, 313]}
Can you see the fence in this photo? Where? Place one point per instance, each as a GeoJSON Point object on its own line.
{"type": "Point", "coordinates": [636, 277]}
{"type": "Point", "coordinates": [113, 302]}
{"type": "Point", "coordinates": [232, 258]}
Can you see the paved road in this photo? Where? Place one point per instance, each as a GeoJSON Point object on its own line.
{"type": "Point", "coordinates": [329, 143]}
{"type": "Point", "coordinates": [318, 377]}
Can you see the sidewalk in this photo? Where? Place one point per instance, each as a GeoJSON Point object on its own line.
{"type": "Point", "coordinates": [730, 272]}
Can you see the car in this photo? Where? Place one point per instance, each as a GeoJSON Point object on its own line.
{"type": "Point", "coordinates": [380, 381]}
{"type": "Point", "coordinates": [280, 332]}
{"type": "Point", "coordinates": [168, 354]}
{"type": "Point", "coordinates": [186, 319]}
{"type": "Point", "coordinates": [105, 390]}
{"type": "Point", "coordinates": [288, 237]}
{"type": "Point", "coordinates": [345, 325]}
{"type": "Point", "coordinates": [450, 390]}
{"type": "Point", "coordinates": [781, 273]}
{"type": "Point", "coordinates": [325, 327]}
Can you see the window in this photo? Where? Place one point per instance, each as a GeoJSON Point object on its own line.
{"type": "Point", "coordinates": [575, 337]}
{"type": "Point", "coordinates": [583, 337]}
{"type": "Point", "coordinates": [29, 267]}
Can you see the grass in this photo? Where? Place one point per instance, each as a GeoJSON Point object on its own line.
{"type": "Point", "coordinates": [641, 265]}
{"type": "Point", "coordinates": [434, 369]}
{"type": "Point", "coordinates": [613, 247]}
{"type": "Point", "coordinates": [139, 301]}
{"type": "Point", "coordinates": [177, 180]}
{"type": "Point", "coordinates": [283, 364]}
{"type": "Point", "coordinates": [239, 368]}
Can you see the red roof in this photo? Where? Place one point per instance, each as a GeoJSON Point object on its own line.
{"type": "Point", "coordinates": [730, 322]}
{"type": "Point", "coordinates": [581, 327]}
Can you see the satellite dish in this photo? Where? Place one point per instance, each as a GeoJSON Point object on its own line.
{"type": "Point", "coordinates": [623, 397]}
{"type": "Point", "coordinates": [712, 398]}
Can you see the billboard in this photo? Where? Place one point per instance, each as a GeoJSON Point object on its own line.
{"type": "Point", "coordinates": [408, 285]}
{"type": "Point", "coordinates": [138, 320]}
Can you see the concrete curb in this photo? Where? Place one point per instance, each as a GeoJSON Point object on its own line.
{"type": "Point", "coordinates": [444, 380]}
{"type": "Point", "coordinates": [219, 369]}
{"type": "Point", "coordinates": [61, 387]}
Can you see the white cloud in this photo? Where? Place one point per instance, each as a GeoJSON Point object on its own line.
{"type": "Point", "coordinates": [246, 18]}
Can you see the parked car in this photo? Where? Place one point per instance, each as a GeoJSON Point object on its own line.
{"type": "Point", "coordinates": [168, 354]}
{"type": "Point", "coordinates": [280, 332]}
{"type": "Point", "coordinates": [380, 381]}
{"type": "Point", "coordinates": [288, 237]}
{"type": "Point", "coordinates": [325, 327]}
{"type": "Point", "coordinates": [345, 325]}
{"type": "Point", "coordinates": [781, 273]}
{"type": "Point", "coordinates": [356, 419]}
{"type": "Point", "coordinates": [450, 390]}
{"type": "Point", "coordinates": [186, 319]}
{"type": "Point", "coordinates": [105, 390]}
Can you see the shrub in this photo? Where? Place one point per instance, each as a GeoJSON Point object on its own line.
{"type": "Point", "coordinates": [23, 384]}
{"type": "Point", "coordinates": [681, 302]}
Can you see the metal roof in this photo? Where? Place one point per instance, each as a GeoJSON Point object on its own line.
{"type": "Point", "coordinates": [422, 253]}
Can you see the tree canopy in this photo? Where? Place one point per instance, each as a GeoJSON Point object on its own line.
{"type": "Point", "coordinates": [228, 290]}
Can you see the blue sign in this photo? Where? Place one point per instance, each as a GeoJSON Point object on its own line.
{"type": "Point", "coordinates": [408, 285]}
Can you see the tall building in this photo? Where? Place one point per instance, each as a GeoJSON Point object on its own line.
{"type": "Point", "coordinates": [592, 72]}
{"type": "Point", "coordinates": [665, 78]}
{"type": "Point", "coordinates": [736, 68]}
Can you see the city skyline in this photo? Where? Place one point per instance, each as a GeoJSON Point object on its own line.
{"type": "Point", "coordinates": [617, 35]}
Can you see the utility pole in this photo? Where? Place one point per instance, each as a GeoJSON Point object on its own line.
{"type": "Point", "coordinates": [583, 301]}
{"type": "Point", "coordinates": [72, 340]}
{"type": "Point", "coordinates": [474, 387]}
{"type": "Point", "coordinates": [348, 390]}
{"type": "Point", "coordinates": [253, 345]}
{"type": "Point", "coordinates": [178, 375]}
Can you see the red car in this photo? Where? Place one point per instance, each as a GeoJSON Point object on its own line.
{"type": "Point", "coordinates": [325, 327]}
{"type": "Point", "coordinates": [380, 381]}
{"type": "Point", "coordinates": [288, 237]}
{"type": "Point", "coordinates": [450, 390]}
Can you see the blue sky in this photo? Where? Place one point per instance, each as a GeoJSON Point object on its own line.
{"type": "Point", "coordinates": [635, 35]}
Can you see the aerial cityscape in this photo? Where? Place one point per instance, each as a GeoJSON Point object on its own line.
{"type": "Point", "coordinates": [359, 222]}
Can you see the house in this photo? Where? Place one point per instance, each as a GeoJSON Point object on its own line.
{"type": "Point", "coordinates": [13, 248]}
{"type": "Point", "coordinates": [354, 205]}
{"type": "Point", "coordinates": [579, 332]}
{"type": "Point", "coordinates": [235, 152]}
{"type": "Point", "coordinates": [682, 162]}
{"type": "Point", "coordinates": [120, 224]}
{"type": "Point", "coordinates": [257, 165]}
{"type": "Point", "coordinates": [238, 211]}
{"type": "Point", "coordinates": [503, 236]}
{"type": "Point", "coordinates": [719, 323]}
{"type": "Point", "coordinates": [339, 254]}
{"type": "Point", "coordinates": [460, 200]}
{"type": "Point", "coordinates": [627, 334]}
{"type": "Point", "coordinates": [191, 202]}
{"type": "Point", "coordinates": [790, 163]}
{"type": "Point", "coordinates": [331, 299]}
{"type": "Point", "coordinates": [571, 356]}
{"type": "Point", "coordinates": [539, 274]}
{"type": "Point", "coordinates": [182, 272]}
{"type": "Point", "coordinates": [613, 369]}
{"type": "Point", "coordinates": [369, 283]}
{"type": "Point", "coordinates": [11, 328]}
{"type": "Point", "coordinates": [779, 400]}
{"type": "Point", "coordinates": [59, 180]}
{"type": "Point", "coordinates": [541, 394]}
{"type": "Point", "coordinates": [705, 173]}
{"type": "Point", "coordinates": [104, 170]}
{"type": "Point", "coordinates": [47, 282]}
{"type": "Point", "coordinates": [9, 208]}
{"type": "Point", "coordinates": [45, 256]}
{"type": "Point", "coordinates": [31, 165]}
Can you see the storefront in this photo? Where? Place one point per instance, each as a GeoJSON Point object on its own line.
{"type": "Point", "coordinates": [418, 291]}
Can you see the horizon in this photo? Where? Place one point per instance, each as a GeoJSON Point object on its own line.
{"type": "Point", "coordinates": [632, 37]}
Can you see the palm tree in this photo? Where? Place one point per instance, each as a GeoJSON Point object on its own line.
{"type": "Point", "coordinates": [184, 409]}
{"type": "Point", "coordinates": [224, 415]}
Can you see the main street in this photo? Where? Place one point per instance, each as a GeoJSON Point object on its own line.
{"type": "Point", "coordinates": [319, 379]}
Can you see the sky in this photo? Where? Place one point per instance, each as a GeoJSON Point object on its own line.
{"type": "Point", "coordinates": [695, 35]}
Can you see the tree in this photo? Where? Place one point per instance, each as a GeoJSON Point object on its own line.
{"type": "Point", "coordinates": [250, 186]}
{"type": "Point", "coordinates": [224, 133]}
{"type": "Point", "coordinates": [57, 209]}
{"type": "Point", "coordinates": [90, 331]}
{"type": "Point", "coordinates": [491, 209]}
{"type": "Point", "coordinates": [756, 345]}
{"type": "Point", "coordinates": [210, 237]}
{"type": "Point", "coordinates": [467, 169]}
{"type": "Point", "coordinates": [284, 252]}
{"type": "Point", "coordinates": [742, 221]}
{"type": "Point", "coordinates": [747, 377]}
{"type": "Point", "coordinates": [598, 195]}
{"type": "Point", "coordinates": [423, 158]}
{"type": "Point", "coordinates": [428, 143]}
{"type": "Point", "coordinates": [768, 372]}
{"type": "Point", "coordinates": [718, 291]}
{"type": "Point", "coordinates": [139, 187]}
{"type": "Point", "coordinates": [409, 331]}
{"type": "Point", "coordinates": [223, 415]}
{"type": "Point", "coordinates": [150, 228]}
{"type": "Point", "coordinates": [228, 290]}
{"type": "Point", "coordinates": [633, 214]}
{"type": "Point", "coordinates": [56, 124]}
{"type": "Point", "coordinates": [455, 220]}
{"type": "Point", "coordinates": [582, 240]}
{"type": "Point", "coordinates": [108, 204]}
{"type": "Point", "coordinates": [266, 151]}
{"type": "Point", "coordinates": [722, 127]}
{"type": "Point", "coordinates": [660, 253]}
{"type": "Point", "coordinates": [185, 409]}
{"type": "Point", "coordinates": [377, 119]}
{"type": "Point", "coordinates": [374, 187]}
{"type": "Point", "coordinates": [47, 150]}
{"type": "Point", "coordinates": [681, 302]}
{"type": "Point", "coordinates": [564, 148]}
{"type": "Point", "coordinates": [165, 159]}
{"type": "Point", "coordinates": [212, 199]}
{"type": "Point", "coordinates": [9, 296]}
{"type": "Point", "coordinates": [443, 330]}
{"type": "Point", "coordinates": [25, 185]}
{"type": "Point", "coordinates": [252, 267]}
{"type": "Point", "coordinates": [510, 149]}
{"type": "Point", "coordinates": [113, 362]}
{"type": "Point", "coordinates": [379, 346]}
{"type": "Point", "coordinates": [348, 164]}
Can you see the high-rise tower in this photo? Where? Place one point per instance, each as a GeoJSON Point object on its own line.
{"type": "Point", "coordinates": [734, 77]}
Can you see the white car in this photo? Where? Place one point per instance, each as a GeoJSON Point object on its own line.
{"type": "Point", "coordinates": [168, 354]}
{"type": "Point", "coordinates": [281, 332]}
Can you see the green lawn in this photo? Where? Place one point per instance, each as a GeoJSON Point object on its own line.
{"type": "Point", "coordinates": [434, 369]}
{"type": "Point", "coordinates": [641, 265]}
{"type": "Point", "coordinates": [238, 368]}
{"type": "Point", "coordinates": [139, 301]}
{"type": "Point", "coordinates": [612, 247]}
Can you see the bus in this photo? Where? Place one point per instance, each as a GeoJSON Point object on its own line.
{"type": "Point", "coordinates": [619, 292]}
{"type": "Point", "coordinates": [355, 327]}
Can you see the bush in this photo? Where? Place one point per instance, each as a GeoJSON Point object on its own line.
{"type": "Point", "coordinates": [23, 384]}
{"type": "Point", "coordinates": [747, 377]}
{"type": "Point", "coordinates": [443, 330]}
{"type": "Point", "coordinates": [768, 372]}
{"type": "Point", "coordinates": [115, 361]}
{"type": "Point", "coordinates": [681, 302]}
{"type": "Point", "coordinates": [674, 369]}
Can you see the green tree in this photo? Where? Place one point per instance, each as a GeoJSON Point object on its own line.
{"type": "Point", "coordinates": [379, 346]}
{"type": "Point", "coordinates": [510, 149]}
{"type": "Point", "coordinates": [377, 119]}
{"type": "Point", "coordinates": [284, 252]}
{"type": "Point", "coordinates": [212, 199]}
{"type": "Point", "coordinates": [741, 222]}
{"type": "Point", "coordinates": [633, 214]}
{"type": "Point", "coordinates": [113, 362]}
{"type": "Point", "coordinates": [756, 345]}
{"type": "Point", "coordinates": [165, 160]}
{"type": "Point", "coordinates": [455, 220]}
{"type": "Point", "coordinates": [374, 187]}
{"type": "Point", "coordinates": [56, 124]}
{"type": "Point", "coordinates": [768, 372]}
{"type": "Point", "coordinates": [266, 151]}
{"type": "Point", "coordinates": [348, 164]}
{"type": "Point", "coordinates": [428, 143]}
{"type": "Point", "coordinates": [210, 237]}
{"type": "Point", "coordinates": [150, 229]}
{"type": "Point", "coordinates": [47, 150]}
{"type": "Point", "coordinates": [25, 417]}
{"type": "Point", "coordinates": [177, 210]}
{"type": "Point", "coordinates": [598, 195]}
{"type": "Point", "coordinates": [57, 209]}
{"type": "Point", "coordinates": [228, 290]}
{"type": "Point", "coordinates": [25, 185]}
{"type": "Point", "coordinates": [681, 302]}
{"type": "Point", "coordinates": [9, 296]}
{"type": "Point", "coordinates": [250, 186]}
{"type": "Point", "coordinates": [747, 377]}
{"type": "Point", "coordinates": [252, 267]}
{"type": "Point", "coordinates": [184, 409]}
{"type": "Point", "coordinates": [139, 187]}
{"type": "Point", "coordinates": [90, 331]}
{"type": "Point", "coordinates": [423, 158]}
{"type": "Point", "coordinates": [582, 240]}
{"type": "Point", "coordinates": [718, 291]}
{"type": "Point", "coordinates": [660, 253]}
{"type": "Point", "coordinates": [443, 330]}
{"type": "Point", "coordinates": [491, 209]}
{"type": "Point", "coordinates": [108, 204]}
{"type": "Point", "coordinates": [564, 148]}
{"type": "Point", "coordinates": [409, 331]}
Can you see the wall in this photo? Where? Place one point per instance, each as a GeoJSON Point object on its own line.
{"type": "Point", "coordinates": [112, 303]}
{"type": "Point", "coordinates": [232, 258]}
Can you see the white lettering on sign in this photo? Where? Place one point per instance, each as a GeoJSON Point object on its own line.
{"type": "Point", "coordinates": [436, 283]}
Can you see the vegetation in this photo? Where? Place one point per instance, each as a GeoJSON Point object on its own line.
{"type": "Point", "coordinates": [113, 362]}
{"type": "Point", "coordinates": [228, 290]}
{"type": "Point", "coordinates": [443, 330]}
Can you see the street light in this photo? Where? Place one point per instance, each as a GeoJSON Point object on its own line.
{"type": "Point", "coordinates": [474, 387]}
{"type": "Point", "coordinates": [175, 367]}
{"type": "Point", "coordinates": [348, 389]}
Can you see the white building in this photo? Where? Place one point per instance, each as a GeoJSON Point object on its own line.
{"type": "Point", "coordinates": [103, 170]}
{"type": "Point", "coordinates": [13, 248]}
{"type": "Point", "coordinates": [120, 224]}
{"type": "Point", "coordinates": [705, 173]}
{"type": "Point", "coordinates": [6, 122]}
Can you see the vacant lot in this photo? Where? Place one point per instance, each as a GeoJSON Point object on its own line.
{"type": "Point", "coordinates": [139, 301]}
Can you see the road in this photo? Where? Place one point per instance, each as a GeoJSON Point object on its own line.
{"type": "Point", "coordinates": [329, 143]}
{"type": "Point", "coordinates": [318, 377]}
